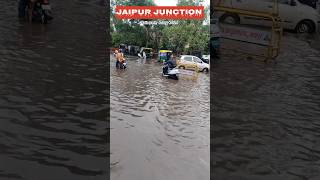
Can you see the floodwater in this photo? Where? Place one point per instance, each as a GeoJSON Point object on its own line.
{"type": "Point", "coordinates": [159, 127]}
{"type": "Point", "coordinates": [53, 89]}
{"type": "Point", "coordinates": [266, 116]}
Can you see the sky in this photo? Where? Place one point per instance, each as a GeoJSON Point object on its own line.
{"type": "Point", "coordinates": [173, 2]}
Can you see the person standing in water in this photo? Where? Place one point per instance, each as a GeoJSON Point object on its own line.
{"type": "Point", "coordinates": [120, 59]}
{"type": "Point", "coordinates": [116, 53]}
{"type": "Point", "coordinates": [23, 4]}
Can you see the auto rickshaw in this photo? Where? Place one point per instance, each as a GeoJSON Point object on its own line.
{"type": "Point", "coordinates": [147, 51]}
{"type": "Point", "coordinates": [164, 55]}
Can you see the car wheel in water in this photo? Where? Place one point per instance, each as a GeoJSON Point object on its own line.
{"type": "Point", "coordinates": [230, 19]}
{"type": "Point", "coordinates": [305, 27]}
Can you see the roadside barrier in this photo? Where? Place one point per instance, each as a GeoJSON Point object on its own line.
{"type": "Point", "coordinates": [189, 71]}
{"type": "Point", "coordinates": [266, 38]}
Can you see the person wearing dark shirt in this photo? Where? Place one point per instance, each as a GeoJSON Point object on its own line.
{"type": "Point", "coordinates": [22, 8]}
{"type": "Point", "coordinates": [170, 64]}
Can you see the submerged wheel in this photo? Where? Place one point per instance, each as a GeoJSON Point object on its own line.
{"type": "Point", "coordinates": [305, 27]}
{"type": "Point", "coordinates": [206, 70]}
{"type": "Point", "coordinates": [230, 19]}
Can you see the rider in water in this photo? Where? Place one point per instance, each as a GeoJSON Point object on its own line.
{"type": "Point", "coordinates": [117, 58]}
{"type": "Point", "coordinates": [120, 59]}
{"type": "Point", "coordinates": [170, 64]}
{"type": "Point", "coordinates": [30, 5]}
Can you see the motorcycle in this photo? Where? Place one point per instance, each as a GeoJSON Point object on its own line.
{"type": "Point", "coordinates": [170, 73]}
{"type": "Point", "coordinates": [121, 65]}
{"type": "Point", "coordinates": [42, 12]}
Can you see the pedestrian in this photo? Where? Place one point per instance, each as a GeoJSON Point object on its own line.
{"type": "Point", "coordinates": [144, 55]}
{"type": "Point", "coordinates": [22, 7]}
{"type": "Point", "coordinates": [120, 59]}
{"type": "Point", "coordinates": [30, 8]}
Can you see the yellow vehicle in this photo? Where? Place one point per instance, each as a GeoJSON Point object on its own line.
{"type": "Point", "coordinates": [188, 70]}
{"type": "Point", "coordinates": [148, 52]}
{"type": "Point", "coordinates": [192, 63]}
{"type": "Point", "coordinates": [164, 55]}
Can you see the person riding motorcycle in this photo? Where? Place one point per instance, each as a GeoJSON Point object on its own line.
{"type": "Point", "coordinates": [30, 5]}
{"type": "Point", "coordinates": [120, 59]}
{"type": "Point", "coordinates": [170, 64]}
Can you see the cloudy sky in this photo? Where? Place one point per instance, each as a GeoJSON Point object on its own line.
{"type": "Point", "coordinates": [173, 2]}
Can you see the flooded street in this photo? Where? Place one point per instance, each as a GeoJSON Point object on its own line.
{"type": "Point", "coordinates": [53, 94]}
{"type": "Point", "coordinates": [159, 127]}
{"type": "Point", "coordinates": [266, 116]}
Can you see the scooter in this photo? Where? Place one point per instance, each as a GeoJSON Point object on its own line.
{"type": "Point", "coordinates": [121, 65]}
{"type": "Point", "coordinates": [124, 66]}
{"type": "Point", "coordinates": [170, 73]}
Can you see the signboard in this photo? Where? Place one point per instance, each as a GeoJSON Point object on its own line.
{"type": "Point", "coordinates": [245, 34]}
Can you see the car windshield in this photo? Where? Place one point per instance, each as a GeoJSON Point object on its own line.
{"type": "Point", "coordinates": [147, 50]}
{"type": "Point", "coordinates": [197, 60]}
{"type": "Point", "coordinates": [187, 58]}
{"type": "Point", "coordinates": [163, 54]}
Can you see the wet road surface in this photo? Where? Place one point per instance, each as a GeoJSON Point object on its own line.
{"type": "Point", "coordinates": [53, 94]}
{"type": "Point", "coordinates": [159, 127]}
{"type": "Point", "coordinates": [266, 116]}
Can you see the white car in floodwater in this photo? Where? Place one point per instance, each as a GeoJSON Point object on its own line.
{"type": "Point", "coordinates": [189, 61]}
{"type": "Point", "coordinates": [294, 14]}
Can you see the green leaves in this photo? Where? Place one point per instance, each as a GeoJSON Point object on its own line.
{"type": "Point", "coordinates": [187, 36]}
{"type": "Point", "coordinates": [135, 2]}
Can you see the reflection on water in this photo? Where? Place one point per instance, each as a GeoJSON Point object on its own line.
{"type": "Point", "coordinates": [159, 127]}
{"type": "Point", "coordinates": [266, 117]}
{"type": "Point", "coordinates": [52, 94]}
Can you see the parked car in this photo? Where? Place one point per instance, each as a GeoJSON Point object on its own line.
{"type": "Point", "coordinates": [214, 28]}
{"type": "Point", "coordinates": [294, 15]}
{"type": "Point", "coordinates": [133, 50]}
{"type": "Point", "coordinates": [215, 35]}
{"type": "Point", "coordinates": [189, 62]}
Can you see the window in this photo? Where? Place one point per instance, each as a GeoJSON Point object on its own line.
{"type": "Point", "coordinates": [284, 1]}
{"type": "Point", "coordinates": [196, 59]}
{"type": "Point", "coordinates": [280, 1]}
{"type": "Point", "coordinates": [187, 58]}
{"type": "Point", "coordinates": [311, 3]}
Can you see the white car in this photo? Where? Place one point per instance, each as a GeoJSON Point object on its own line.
{"type": "Point", "coordinates": [294, 14]}
{"type": "Point", "coordinates": [214, 28]}
{"type": "Point", "coordinates": [189, 61]}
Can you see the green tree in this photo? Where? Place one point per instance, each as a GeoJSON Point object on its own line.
{"type": "Point", "coordinates": [187, 36]}
{"type": "Point", "coordinates": [130, 31]}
